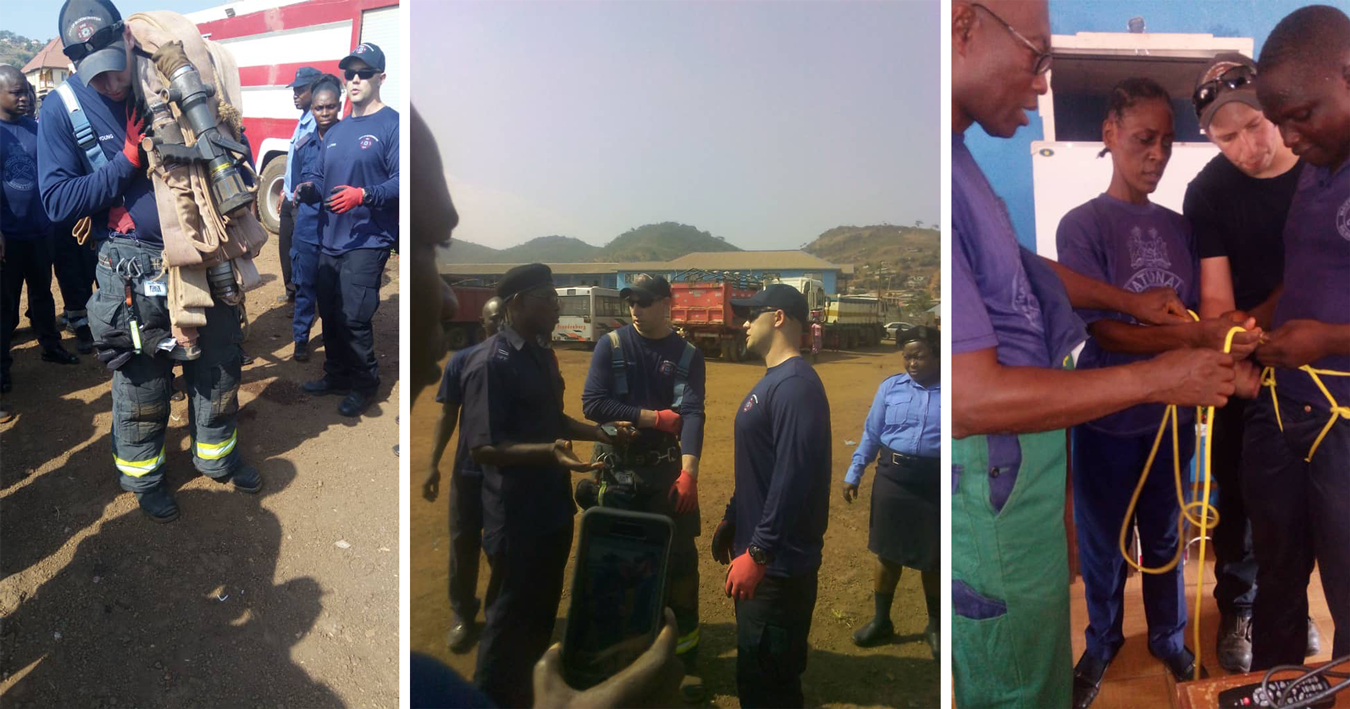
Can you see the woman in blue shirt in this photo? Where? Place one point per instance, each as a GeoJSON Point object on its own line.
{"type": "Point", "coordinates": [904, 528]}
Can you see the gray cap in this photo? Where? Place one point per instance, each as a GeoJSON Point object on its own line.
{"type": "Point", "coordinates": [1221, 64]}
{"type": "Point", "coordinates": [96, 21]}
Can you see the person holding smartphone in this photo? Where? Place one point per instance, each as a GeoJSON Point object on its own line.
{"type": "Point", "coordinates": [774, 526]}
{"type": "Point", "coordinates": [645, 372]}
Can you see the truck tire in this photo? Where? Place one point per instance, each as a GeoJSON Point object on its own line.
{"type": "Point", "coordinates": [457, 337]}
{"type": "Point", "coordinates": [269, 194]}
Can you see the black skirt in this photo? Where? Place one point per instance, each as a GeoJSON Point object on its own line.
{"type": "Point", "coordinates": [905, 526]}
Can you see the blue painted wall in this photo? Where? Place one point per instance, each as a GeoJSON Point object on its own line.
{"type": "Point", "coordinates": [1007, 163]}
{"type": "Point", "coordinates": [829, 279]}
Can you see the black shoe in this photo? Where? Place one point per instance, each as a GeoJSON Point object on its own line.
{"type": "Point", "coordinates": [1182, 665]}
{"type": "Point", "coordinates": [1314, 640]}
{"type": "Point", "coordinates": [1235, 643]}
{"type": "Point", "coordinates": [1087, 680]}
{"type": "Point", "coordinates": [6, 385]}
{"type": "Point", "coordinates": [59, 355]}
{"type": "Point", "coordinates": [177, 395]}
{"type": "Point", "coordinates": [245, 359]}
{"type": "Point", "coordinates": [84, 340]}
{"type": "Point", "coordinates": [461, 635]}
{"type": "Point", "coordinates": [931, 634]}
{"type": "Point", "coordinates": [355, 403]}
{"type": "Point", "coordinates": [322, 386]}
{"type": "Point", "coordinates": [158, 504]}
{"type": "Point", "coordinates": [301, 353]}
{"type": "Point", "coordinates": [874, 633]}
{"type": "Point", "coordinates": [246, 478]}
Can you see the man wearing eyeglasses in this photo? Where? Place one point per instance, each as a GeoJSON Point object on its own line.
{"type": "Point", "coordinates": [513, 425]}
{"type": "Point", "coordinates": [1012, 334]}
{"type": "Point", "coordinates": [358, 183]}
{"type": "Point", "coordinates": [1237, 206]}
{"type": "Point", "coordinates": [101, 174]}
{"type": "Point", "coordinates": [645, 372]}
{"type": "Point", "coordinates": [1296, 448]}
{"type": "Point", "coordinates": [773, 529]}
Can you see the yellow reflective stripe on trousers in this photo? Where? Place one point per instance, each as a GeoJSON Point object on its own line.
{"type": "Point", "coordinates": [687, 642]}
{"type": "Point", "coordinates": [214, 451]}
{"type": "Point", "coordinates": [1337, 411]}
{"type": "Point", "coordinates": [137, 468]}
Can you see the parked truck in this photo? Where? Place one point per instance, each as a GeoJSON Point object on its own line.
{"type": "Point", "coordinates": [700, 308]}
{"type": "Point", "coordinates": [848, 320]}
{"type": "Point", "coordinates": [466, 328]}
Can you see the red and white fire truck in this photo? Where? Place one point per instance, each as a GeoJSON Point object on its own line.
{"type": "Point", "coordinates": [270, 39]}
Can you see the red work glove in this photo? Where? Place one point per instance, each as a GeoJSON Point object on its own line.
{"type": "Point", "coordinates": [686, 488]}
{"type": "Point", "coordinates": [131, 146]}
{"type": "Point", "coordinates": [343, 198]}
{"type": "Point", "coordinates": [743, 576]}
{"type": "Point", "coordinates": [668, 421]}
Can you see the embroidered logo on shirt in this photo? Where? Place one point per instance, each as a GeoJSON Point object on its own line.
{"type": "Point", "coordinates": [667, 367]}
{"type": "Point", "coordinates": [367, 140]}
{"type": "Point", "coordinates": [1022, 299]}
{"type": "Point", "coordinates": [750, 403]}
{"type": "Point", "coordinates": [1149, 255]}
{"type": "Point", "coordinates": [20, 172]}
{"type": "Point", "coordinates": [83, 27]}
{"type": "Point", "coordinates": [1343, 220]}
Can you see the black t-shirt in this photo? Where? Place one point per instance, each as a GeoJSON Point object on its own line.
{"type": "Point", "coordinates": [1242, 217]}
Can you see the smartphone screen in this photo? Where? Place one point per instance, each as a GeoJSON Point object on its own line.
{"type": "Point", "coordinates": [618, 593]}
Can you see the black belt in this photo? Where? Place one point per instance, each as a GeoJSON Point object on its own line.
{"type": "Point", "coordinates": [896, 458]}
{"type": "Point", "coordinates": [643, 458]}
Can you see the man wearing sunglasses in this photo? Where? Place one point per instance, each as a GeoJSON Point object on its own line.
{"type": "Point", "coordinates": [101, 174]}
{"type": "Point", "coordinates": [773, 529]}
{"type": "Point", "coordinates": [1237, 206]}
{"type": "Point", "coordinates": [646, 372]}
{"type": "Point", "coordinates": [1013, 330]}
{"type": "Point", "coordinates": [1296, 448]}
{"type": "Point", "coordinates": [358, 182]}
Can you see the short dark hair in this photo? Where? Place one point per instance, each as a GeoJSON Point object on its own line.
{"type": "Point", "coordinates": [1128, 93]}
{"type": "Point", "coordinates": [1307, 36]}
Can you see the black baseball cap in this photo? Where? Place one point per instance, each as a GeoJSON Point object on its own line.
{"type": "Point", "coordinates": [87, 26]}
{"type": "Point", "coordinates": [647, 286]}
{"type": "Point", "coordinates": [304, 76]}
{"type": "Point", "coordinates": [522, 278]}
{"type": "Point", "coordinates": [1222, 63]}
{"type": "Point", "coordinates": [367, 52]}
{"type": "Point", "coordinates": [781, 297]}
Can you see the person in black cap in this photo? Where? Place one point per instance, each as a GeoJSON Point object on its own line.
{"type": "Point", "coordinates": [774, 525]}
{"type": "Point", "coordinates": [514, 427]}
{"type": "Point", "coordinates": [645, 372]}
{"type": "Point", "coordinates": [358, 182]}
{"type": "Point", "coordinates": [1237, 205]}
{"type": "Point", "coordinates": [305, 77]}
{"type": "Point", "coordinates": [100, 172]}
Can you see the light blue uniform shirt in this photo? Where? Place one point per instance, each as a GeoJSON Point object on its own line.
{"type": "Point", "coordinates": [305, 125]}
{"type": "Point", "coordinates": [905, 417]}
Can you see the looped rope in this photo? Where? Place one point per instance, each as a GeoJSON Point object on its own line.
{"type": "Point", "coordinates": [1337, 410]}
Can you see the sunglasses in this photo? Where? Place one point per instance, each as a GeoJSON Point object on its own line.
{"type": "Point", "coordinates": [1234, 78]}
{"type": "Point", "coordinates": [365, 74]}
{"type": "Point", "coordinates": [1042, 63]}
{"type": "Point", "coordinates": [100, 39]}
{"type": "Point", "coordinates": [756, 312]}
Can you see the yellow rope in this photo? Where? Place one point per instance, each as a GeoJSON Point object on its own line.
{"type": "Point", "coordinates": [1337, 411]}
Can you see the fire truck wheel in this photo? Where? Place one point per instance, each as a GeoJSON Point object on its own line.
{"type": "Point", "coordinates": [457, 338]}
{"type": "Point", "coordinates": [269, 195]}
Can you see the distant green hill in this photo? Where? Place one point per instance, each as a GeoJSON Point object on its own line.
{"type": "Point", "coordinates": [883, 255]}
{"type": "Point", "coordinates": [17, 51]}
{"type": "Point", "coordinates": [651, 242]}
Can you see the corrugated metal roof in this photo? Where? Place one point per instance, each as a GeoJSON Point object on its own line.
{"type": "Point", "coordinates": [707, 260]}
{"type": "Point", "coordinates": [49, 58]}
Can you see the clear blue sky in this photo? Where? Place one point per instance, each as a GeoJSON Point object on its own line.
{"type": "Point", "coordinates": [762, 122]}
{"type": "Point", "coordinates": [37, 20]}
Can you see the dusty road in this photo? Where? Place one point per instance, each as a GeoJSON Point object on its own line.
{"type": "Point", "coordinates": [245, 600]}
{"type": "Point", "coordinates": [838, 673]}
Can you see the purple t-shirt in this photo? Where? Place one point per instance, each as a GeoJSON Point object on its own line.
{"type": "Point", "coordinates": [1317, 275]}
{"type": "Point", "coordinates": [993, 304]}
{"type": "Point", "coordinates": [1135, 247]}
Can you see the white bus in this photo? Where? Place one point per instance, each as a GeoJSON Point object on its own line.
{"type": "Point", "coordinates": [588, 314]}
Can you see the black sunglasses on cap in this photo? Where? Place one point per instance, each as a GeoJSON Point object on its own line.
{"type": "Point", "coordinates": [640, 302]}
{"type": "Point", "coordinates": [1234, 78]}
{"type": "Point", "coordinates": [365, 74]}
{"type": "Point", "coordinates": [98, 40]}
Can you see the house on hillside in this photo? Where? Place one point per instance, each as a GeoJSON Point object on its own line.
{"type": "Point", "coordinates": [48, 69]}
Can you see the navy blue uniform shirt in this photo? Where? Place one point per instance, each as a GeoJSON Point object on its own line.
{"type": "Point", "coordinates": [360, 152]}
{"type": "Point", "coordinates": [309, 158]}
{"type": "Point", "coordinates": [21, 213]}
{"type": "Point", "coordinates": [70, 190]}
{"type": "Point", "coordinates": [512, 394]}
{"type": "Point", "coordinates": [451, 392]}
{"type": "Point", "coordinates": [781, 502]}
{"type": "Point", "coordinates": [650, 367]}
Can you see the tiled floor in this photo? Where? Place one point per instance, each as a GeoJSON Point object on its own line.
{"type": "Point", "coordinates": [1136, 679]}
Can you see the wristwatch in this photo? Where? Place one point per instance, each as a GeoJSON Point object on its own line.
{"type": "Point", "coordinates": [758, 555]}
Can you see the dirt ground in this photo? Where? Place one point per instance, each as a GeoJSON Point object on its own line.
{"type": "Point", "coordinates": [284, 599]}
{"type": "Point", "coordinates": [838, 673]}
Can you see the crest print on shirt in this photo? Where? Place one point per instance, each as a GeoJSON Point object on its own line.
{"type": "Point", "coordinates": [1148, 254]}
